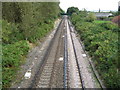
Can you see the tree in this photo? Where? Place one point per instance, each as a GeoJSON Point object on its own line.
{"type": "Point", "coordinates": [99, 10]}
{"type": "Point", "coordinates": [30, 16]}
{"type": "Point", "coordinates": [91, 17]}
{"type": "Point", "coordinates": [62, 12]}
{"type": "Point", "coordinates": [72, 10]}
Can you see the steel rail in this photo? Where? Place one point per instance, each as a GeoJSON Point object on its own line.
{"type": "Point", "coordinates": [90, 62]}
{"type": "Point", "coordinates": [38, 73]}
{"type": "Point", "coordinates": [59, 43]}
{"type": "Point", "coordinates": [79, 70]}
{"type": "Point", "coordinates": [65, 60]}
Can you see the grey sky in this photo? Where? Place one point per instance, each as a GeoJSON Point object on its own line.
{"type": "Point", "coordinates": [90, 4]}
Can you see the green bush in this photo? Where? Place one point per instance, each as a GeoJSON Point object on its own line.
{"type": "Point", "coordinates": [101, 41]}
{"type": "Point", "coordinates": [23, 20]}
{"type": "Point", "coordinates": [21, 23]}
{"type": "Point", "coordinates": [91, 17]}
{"type": "Point", "coordinates": [11, 60]}
{"type": "Point", "coordinates": [110, 26]}
{"type": "Point", "coordinates": [10, 33]}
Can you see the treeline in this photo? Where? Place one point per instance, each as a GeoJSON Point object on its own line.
{"type": "Point", "coordinates": [101, 41]}
{"type": "Point", "coordinates": [23, 23]}
{"type": "Point", "coordinates": [31, 18]}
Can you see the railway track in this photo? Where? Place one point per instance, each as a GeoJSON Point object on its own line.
{"type": "Point", "coordinates": [89, 78]}
{"type": "Point", "coordinates": [63, 65]}
{"type": "Point", "coordinates": [46, 75]}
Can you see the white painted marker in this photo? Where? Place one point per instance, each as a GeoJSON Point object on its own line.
{"type": "Point", "coordinates": [84, 55]}
{"type": "Point", "coordinates": [61, 59]}
{"type": "Point", "coordinates": [28, 74]}
{"type": "Point", "coordinates": [35, 57]}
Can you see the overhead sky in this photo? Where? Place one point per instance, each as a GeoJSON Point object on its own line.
{"type": "Point", "coordinates": [90, 5]}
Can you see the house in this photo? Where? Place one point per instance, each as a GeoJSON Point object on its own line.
{"type": "Point", "coordinates": [103, 14]}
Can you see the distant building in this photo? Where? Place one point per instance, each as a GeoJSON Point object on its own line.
{"type": "Point", "coordinates": [103, 14]}
{"type": "Point", "coordinates": [119, 6]}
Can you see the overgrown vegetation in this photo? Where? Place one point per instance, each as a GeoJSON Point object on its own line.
{"type": "Point", "coordinates": [13, 56]}
{"type": "Point", "coordinates": [101, 21]}
{"type": "Point", "coordinates": [101, 41]}
{"type": "Point", "coordinates": [72, 10]}
{"type": "Point", "coordinates": [23, 23]}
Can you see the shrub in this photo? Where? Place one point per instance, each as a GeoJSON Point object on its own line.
{"type": "Point", "coordinates": [20, 22]}
{"type": "Point", "coordinates": [110, 26]}
{"type": "Point", "coordinates": [11, 60]}
{"type": "Point", "coordinates": [91, 17]}
{"type": "Point", "coordinates": [10, 33]}
{"type": "Point", "coordinates": [101, 41]}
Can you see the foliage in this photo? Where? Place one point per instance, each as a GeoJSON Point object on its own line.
{"type": "Point", "coordinates": [62, 12]}
{"type": "Point", "coordinates": [91, 17]}
{"type": "Point", "coordinates": [12, 58]}
{"type": "Point", "coordinates": [72, 10]}
{"type": "Point", "coordinates": [101, 41]}
{"type": "Point", "coordinates": [23, 22]}
{"type": "Point", "coordinates": [29, 17]}
{"type": "Point", "coordinates": [10, 33]}
{"type": "Point", "coordinates": [110, 26]}
{"type": "Point", "coordinates": [80, 17]}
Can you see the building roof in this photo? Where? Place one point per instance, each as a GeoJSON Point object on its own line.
{"type": "Point", "coordinates": [103, 14]}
